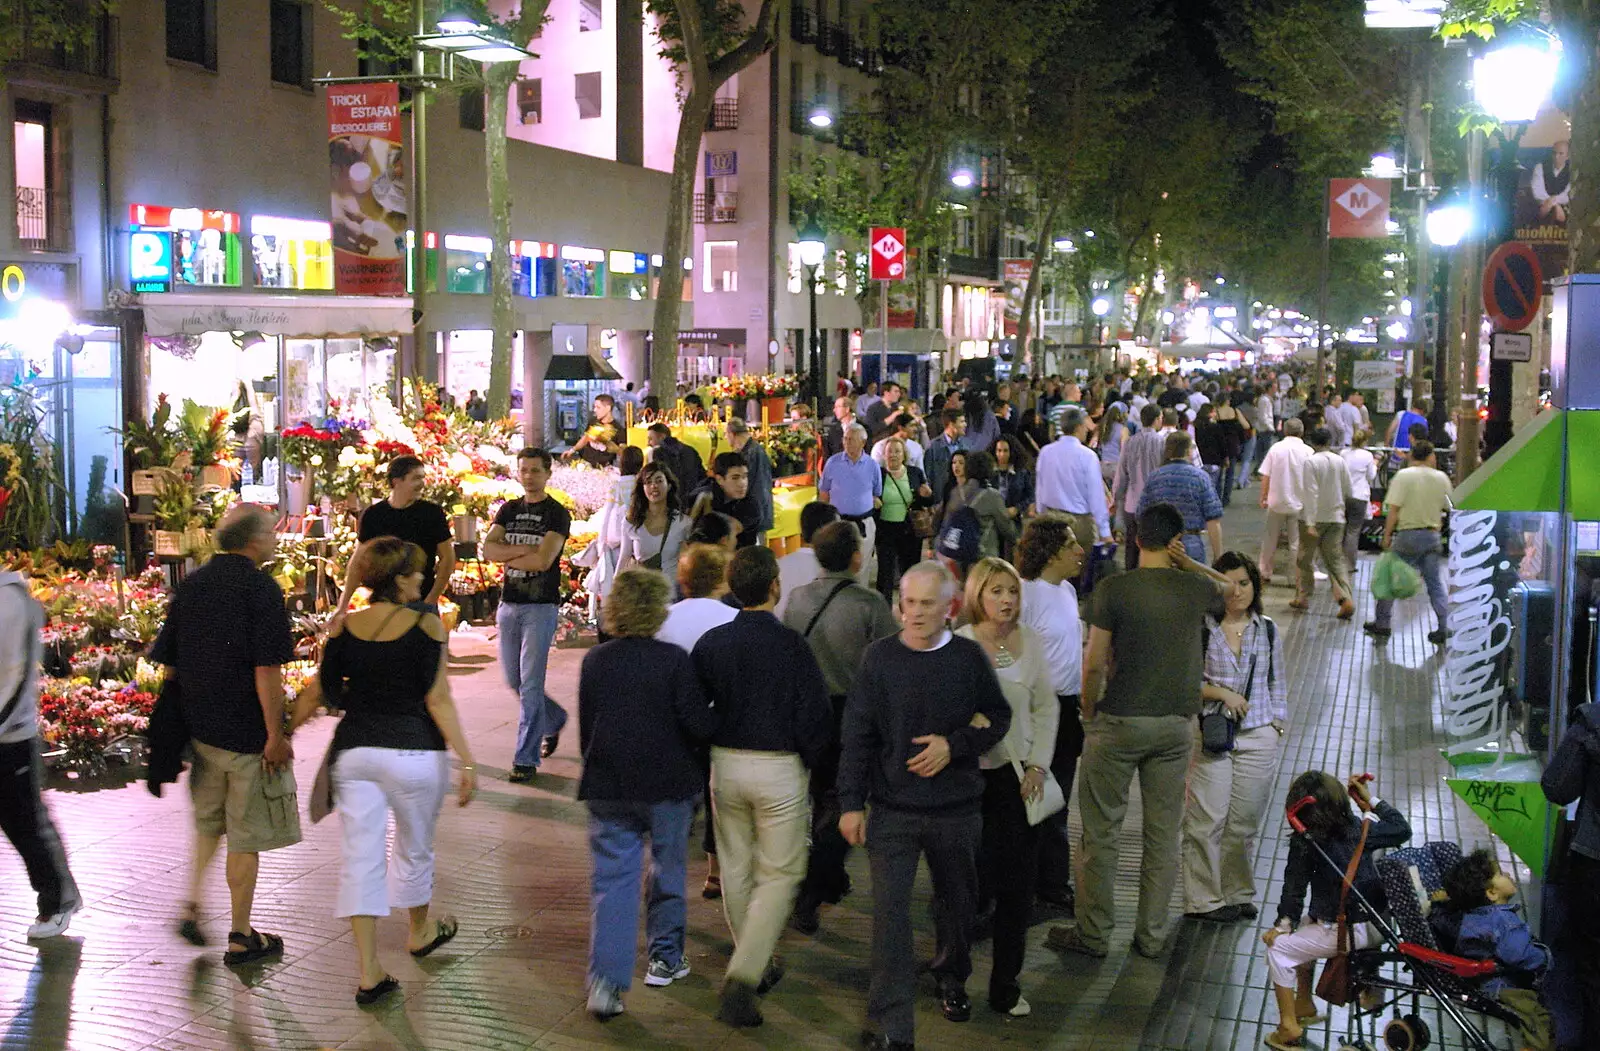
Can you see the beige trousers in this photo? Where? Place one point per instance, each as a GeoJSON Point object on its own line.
{"type": "Point", "coordinates": [761, 803]}
{"type": "Point", "coordinates": [1329, 543]}
{"type": "Point", "coordinates": [1279, 526]}
{"type": "Point", "coordinates": [1228, 795]}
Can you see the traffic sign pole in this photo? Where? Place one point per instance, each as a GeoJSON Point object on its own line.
{"type": "Point", "coordinates": [883, 351]}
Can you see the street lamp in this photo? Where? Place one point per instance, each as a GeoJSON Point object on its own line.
{"type": "Point", "coordinates": [1447, 226]}
{"type": "Point", "coordinates": [1100, 307]}
{"type": "Point", "coordinates": [1065, 245]}
{"type": "Point", "coordinates": [1512, 83]}
{"type": "Point", "coordinates": [819, 117]}
{"type": "Point", "coordinates": [962, 178]}
{"type": "Point", "coordinates": [462, 35]}
{"type": "Point", "coordinates": [813, 249]}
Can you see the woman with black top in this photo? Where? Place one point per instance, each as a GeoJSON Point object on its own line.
{"type": "Point", "coordinates": [1013, 476]}
{"type": "Point", "coordinates": [386, 669]}
{"type": "Point", "coordinates": [1209, 442]}
{"type": "Point", "coordinates": [1232, 428]}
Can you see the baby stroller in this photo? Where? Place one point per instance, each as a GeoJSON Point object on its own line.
{"type": "Point", "coordinates": [1408, 964]}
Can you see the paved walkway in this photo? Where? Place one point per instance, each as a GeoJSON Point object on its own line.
{"type": "Point", "coordinates": [514, 867]}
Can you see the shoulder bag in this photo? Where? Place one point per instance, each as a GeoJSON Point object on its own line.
{"type": "Point", "coordinates": [1051, 799]}
{"type": "Point", "coordinates": [919, 518]}
{"type": "Point", "coordinates": [1218, 731]}
{"type": "Point", "coordinates": [1336, 985]}
{"type": "Point", "coordinates": [825, 604]}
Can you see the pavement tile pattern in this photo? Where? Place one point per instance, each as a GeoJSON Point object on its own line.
{"type": "Point", "coordinates": [514, 867]}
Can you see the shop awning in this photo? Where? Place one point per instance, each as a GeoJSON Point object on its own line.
{"type": "Point", "coordinates": [1525, 474]}
{"type": "Point", "coordinates": [175, 314]}
{"type": "Point", "coordinates": [572, 367]}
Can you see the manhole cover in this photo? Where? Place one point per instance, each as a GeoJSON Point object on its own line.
{"type": "Point", "coordinates": [508, 934]}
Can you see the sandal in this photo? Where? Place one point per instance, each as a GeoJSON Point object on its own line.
{"type": "Point", "coordinates": [1276, 1040]}
{"type": "Point", "coordinates": [377, 992]}
{"type": "Point", "coordinates": [189, 927]}
{"type": "Point", "coordinates": [445, 928]}
{"type": "Point", "coordinates": [258, 946]}
{"type": "Point", "coordinates": [548, 746]}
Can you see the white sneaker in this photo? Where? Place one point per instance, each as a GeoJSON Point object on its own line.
{"type": "Point", "coordinates": [1020, 1009]}
{"type": "Point", "coordinates": [661, 973]}
{"type": "Point", "coordinates": [605, 1000]}
{"type": "Point", "coordinates": [55, 924]}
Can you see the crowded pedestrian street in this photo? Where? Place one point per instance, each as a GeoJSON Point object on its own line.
{"type": "Point", "coordinates": [514, 867]}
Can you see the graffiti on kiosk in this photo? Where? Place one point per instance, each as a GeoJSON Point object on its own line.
{"type": "Point", "coordinates": [1480, 630]}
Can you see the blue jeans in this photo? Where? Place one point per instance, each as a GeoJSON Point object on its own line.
{"type": "Point", "coordinates": [616, 843]}
{"type": "Point", "coordinates": [526, 632]}
{"type": "Point", "coordinates": [1247, 460]}
{"type": "Point", "coordinates": [1195, 545]}
{"type": "Point", "coordinates": [1420, 548]}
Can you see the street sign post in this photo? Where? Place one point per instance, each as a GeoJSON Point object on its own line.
{"type": "Point", "coordinates": [1513, 284]}
{"type": "Point", "coordinates": [888, 263]}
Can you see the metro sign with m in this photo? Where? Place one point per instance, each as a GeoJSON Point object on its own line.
{"type": "Point", "coordinates": [1358, 207]}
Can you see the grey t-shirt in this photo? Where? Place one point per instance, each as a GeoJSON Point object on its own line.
{"type": "Point", "coordinates": [1156, 618]}
{"type": "Point", "coordinates": [855, 619]}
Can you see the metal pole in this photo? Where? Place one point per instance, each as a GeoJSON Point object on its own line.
{"type": "Point", "coordinates": [1469, 322]}
{"type": "Point", "coordinates": [421, 347]}
{"type": "Point", "coordinates": [1322, 300]}
{"type": "Point", "coordinates": [883, 350]}
{"type": "Point", "coordinates": [816, 349]}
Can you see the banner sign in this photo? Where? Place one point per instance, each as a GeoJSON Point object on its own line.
{"type": "Point", "coordinates": [1358, 207]}
{"type": "Point", "coordinates": [368, 190]}
{"type": "Point", "coordinates": [1372, 375]}
{"type": "Point", "coordinates": [1014, 277]}
{"type": "Point", "coordinates": [1539, 207]}
{"type": "Point", "coordinates": [888, 253]}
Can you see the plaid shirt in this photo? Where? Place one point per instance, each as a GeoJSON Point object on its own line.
{"type": "Point", "coordinates": [1268, 693]}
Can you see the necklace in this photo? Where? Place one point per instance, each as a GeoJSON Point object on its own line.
{"type": "Point", "coordinates": [1003, 657]}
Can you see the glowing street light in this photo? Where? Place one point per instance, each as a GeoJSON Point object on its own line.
{"type": "Point", "coordinates": [813, 245]}
{"type": "Point", "coordinates": [1405, 14]}
{"type": "Point", "coordinates": [962, 178]}
{"type": "Point", "coordinates": [1383, 166]}
{"type": "Point", "coordinates": [1221, 280]}
{"type": "Point", "coordinates": [1449, 224]}
{"type": "Point", "coordinates": [1064, 244]}
{"type": "Point", "coordinates": [466, 37]}
{"type": "Point", "coordinates": [1512, 83]}
{"type": "Point", "coordinates": [1101, 306]}
{"type": "Point", "coordinates": [819, 117]}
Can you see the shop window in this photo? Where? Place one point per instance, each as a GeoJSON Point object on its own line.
{"type": "Point", "coordinates": [43, 213]}
{"type": "Point", "coordinates": [629, 275]}
{"type": "Point", "coordinates": [687, 292]}
{"type": "Point", "coordinates": [589, 17]}
{"type": "Point", "coordinates": [721, 272]}
{"type": "Point", "coordinates": [586, 89]}
{"type": "Point", "coordinates": [291, 43]}
{"type": "Point", "coordinates": [192, 32]}
{"type": "Point", "coordinates": [291, 253]}
{"type": "Point", "coordinates": [471, 106]}
{"type": "Point", "coordinates": [583, 271]}
{"type": "Point", "coordinates": [173, 247]}
{"type": "Point", "coordinates": [533, 268]}
{"type": "Point", "coordinates": [530, 101]}
{"type": "Point", "coordinates": [466, 264]}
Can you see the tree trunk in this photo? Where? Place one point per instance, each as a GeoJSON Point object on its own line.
{"type": "Point", "coordinates": [1030, 296]}
{"type": "Point", "coordinates": [1578, 22]}
{"type": "Point", "coordinates": [502, 313]}
{"type": "Point", "coordinates": [677, 244]}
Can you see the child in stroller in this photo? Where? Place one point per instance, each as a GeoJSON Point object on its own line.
{"type": "Point", "coordinates": [1322, 806]}
{"type": "Point", "coordinates": [1475, 919]}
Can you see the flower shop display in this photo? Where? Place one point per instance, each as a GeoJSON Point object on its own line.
{"type": "Point", "coordinates": [31, 492]}
{"type": "Point", "coordinates": [792, 448]}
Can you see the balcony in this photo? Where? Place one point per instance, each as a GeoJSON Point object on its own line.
{"type": "Point", "coordinates": [44, 219]}
{"type": "Point", "coordinates": [829, 36]}
{"type": "Point", "coordinates": [89, 55]}
{"type": "Point", "coordinates": [803, 25]}
{"type": "Point", "coordinates": [845, 47]}
{"type": "Point", "coordinates": [720, 207]}
{"type": "Point", "coordinates": [724, 115]}
{"type": "Point", "coordinates": [985, 267]}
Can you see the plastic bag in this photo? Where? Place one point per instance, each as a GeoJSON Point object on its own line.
{"type": "Point", "coordinates": [1394, 578]}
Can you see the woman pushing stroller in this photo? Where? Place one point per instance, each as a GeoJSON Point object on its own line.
{"type": "Point", "coordinates": [1322, 807]}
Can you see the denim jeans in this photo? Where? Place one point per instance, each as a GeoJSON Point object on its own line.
{"type": "Point", "coordinates": [526, 632]}
{"type": "Point", "coordinates": [617, 830]}
{"type": "Point", "coordinates": [1420, 548]}
{"type": "Point", "coordinates": [1247, 461]}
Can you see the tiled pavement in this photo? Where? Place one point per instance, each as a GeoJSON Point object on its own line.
{"type": "Point", "coordinates": [514, 867]}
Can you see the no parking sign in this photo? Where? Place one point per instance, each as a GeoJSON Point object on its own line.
{"type": "Point", "coordinates": [1513, 284]}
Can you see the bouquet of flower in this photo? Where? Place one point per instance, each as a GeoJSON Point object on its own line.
{"type": "Point", "coordinates": [102, 662]}
{"type": "Point", "coordinates": [582, 489]}
{"type": "Point", "coordinates": [80, 719]}
{"type": "Point", "coordinates": [754, 386]}
{"type": "Point", "coordinates": [787, 447]}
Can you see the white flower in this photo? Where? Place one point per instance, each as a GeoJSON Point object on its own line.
{"type": "Point", "coordinates": [347, 456]}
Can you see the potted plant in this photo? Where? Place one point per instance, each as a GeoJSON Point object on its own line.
{"type": "Point", "coordinates": [174, 508]}
{"type": "Point", "coordinates": [149, 446]}
{"type": "Point", "coordinates": [206, 435]}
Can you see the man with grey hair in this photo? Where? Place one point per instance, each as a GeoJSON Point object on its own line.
{"type": "Point", "coordinates": [760, 465]}
{"type": "Point", "coordinates": [226, 639]}
{"type": "Point", "coordinates": [924, 706]}
{"type": "Point", "coordinates": [852, 481]}
{"type": "Point", "coordinates": [1069, 480]}
{"type": "Point", "coordinates": [1282, 495]}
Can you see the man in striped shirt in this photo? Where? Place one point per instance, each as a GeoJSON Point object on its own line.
{"type": "Point", "coordinates": [1186, 487]}
{"type": "Point", "coordinates": [1141, 455]}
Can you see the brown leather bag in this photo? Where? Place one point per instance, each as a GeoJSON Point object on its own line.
{"type": "Point", "coordinates": [1336, 985]}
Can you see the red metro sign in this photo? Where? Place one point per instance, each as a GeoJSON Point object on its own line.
{"type": "Point", "coordinates": [888, 253]}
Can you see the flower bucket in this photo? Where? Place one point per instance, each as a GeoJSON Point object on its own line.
{"type": "Point", "coordinates": [216, 475]}
{"type": "Point", "coordinates": [466, 528]}
{"type": "Point", "coordinates": [775, 408]}
{"type": "Point", "coordinates": [169, 543]}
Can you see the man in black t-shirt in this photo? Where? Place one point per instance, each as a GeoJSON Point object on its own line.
{"type": "Point", "coordinates": [407, 516]}
{"type": "Point", "coordinates": [728, 491]}
{"type": "Point", "coordinates": [604, 438]}
{"type": "Point", "coordinates": [528, 535]}
{"type": "Point", "coordinates": [887, 412]}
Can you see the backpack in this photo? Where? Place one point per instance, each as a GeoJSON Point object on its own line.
{"type": "Point", "coordinates": [960, 536]}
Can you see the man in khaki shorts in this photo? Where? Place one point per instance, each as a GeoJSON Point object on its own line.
{"type": "Point", "coordinates": [226, 640]}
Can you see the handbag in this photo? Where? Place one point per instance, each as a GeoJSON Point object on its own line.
{"type": "Point", "coordinates": [1051, 799]}
{"type": "Point", "coordinates": [919, 518]}
{"type": "Point", "coordinates": [1218, 729]}
{"type": "Point", "coordinates": [1336, 985]}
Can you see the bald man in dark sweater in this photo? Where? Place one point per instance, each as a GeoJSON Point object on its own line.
{"type": "Point", "coordinates": [924, 707]}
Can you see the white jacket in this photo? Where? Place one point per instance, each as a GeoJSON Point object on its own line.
{"type": "Point", "coordinates": [21, 618]}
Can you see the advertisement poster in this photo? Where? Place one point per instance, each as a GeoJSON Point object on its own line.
{"type": "Point", "coordinates": [1014, 274]}
{"type": "Point", "coordinates": [367, 171]}
{"type": "Point", "coordinates": [1539, 209]}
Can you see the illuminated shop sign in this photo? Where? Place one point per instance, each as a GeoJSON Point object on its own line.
{"type": "Point", "coordinates": [150, 261]}
{"type": "Point", "coordinates": [291, 253]}
{"type": "Point", "coordinates": [202, 248]}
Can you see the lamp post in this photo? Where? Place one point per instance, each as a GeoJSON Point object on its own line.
{"type": "Point", "coordinates": [813, 249]}
{"type": "Point", "coordinates": [1100, 308]}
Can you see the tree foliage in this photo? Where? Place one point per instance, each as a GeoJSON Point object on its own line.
{"type": "Point", "coordinates": [33, 30]}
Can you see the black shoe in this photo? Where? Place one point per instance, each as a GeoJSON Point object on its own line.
{"type": "Point", "coordinates": [548, 746]}
{"type": "Point", "coordinates": [1063, 901]}
{"type": "Point", "coordinates": [774, 975]}
{"type": "Point", "coordinates": [1248, 911]}
{"type": "Point", "coordinates": [1438, 637]}
{"type": "Point", "coordinates": [878, 1042]}
{"type": "Point", "coordinates": [954, 1002]}
{"type": "Point", "coordinates": [738, 1007]}
{"type": "Point", "coordinates": [1225, 914]}
{"type": "Point", "coordinates": [1376, 630]}
{"type": "Point", "coordinates": [521, 775]}
{"type": "Point", "coordinates": [805, 918]}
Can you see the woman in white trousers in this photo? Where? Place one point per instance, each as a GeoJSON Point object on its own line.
{"type": "Point", "coordinates": [386, 669]}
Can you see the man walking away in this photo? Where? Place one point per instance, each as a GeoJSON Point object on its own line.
{"type": "Point", "coordinates": [1049, 558]}
{"type": "Point", "coordinates": [230, 670]}
{"type": "Point", "coordinates": [23, 817]}
{"type": "Point", "coordinates": [1141, 455]}
{"type": "Point", "coordinates": [1281, 496]}
{"type": "Point", "coordinates": [1181, 485]}
{"type": "Point", "coordinates": [799, 568]}
{"type": "Point", "coordinates": [1069, 481]}
{"type": "Point", "coordinates": [1416, 503]}
{"type": "Point", "coordinates": [1145, 654]}
{"type": "Point", "coordinates": [775, 724]}
{"type": "Point", "coordinates": [839, 618]}
{"type": "Point", "coordinates": [1325, 488]}
{"type": "Point", "coordinates": [924, 707]}
{"type": "Point", "coordinates": [527, 535]}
